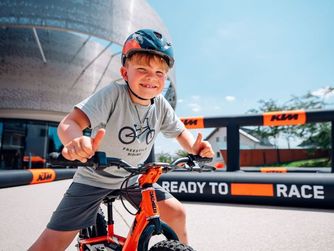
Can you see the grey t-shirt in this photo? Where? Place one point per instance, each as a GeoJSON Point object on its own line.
{"type": "Point", "coordinates": [131, 130]}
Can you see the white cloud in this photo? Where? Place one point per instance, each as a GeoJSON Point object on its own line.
{"type": "Point", "coordinates": [194, 107]}
{"type": "Point", "coordinates": [180, 100]}
{"type": "Point", "coordinates": [325, 92]}
{"type": "Point", "coordinates": [229, 98]}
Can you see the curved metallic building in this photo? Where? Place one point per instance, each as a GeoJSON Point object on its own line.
{"type": "Point", "coordinates": [53, 54]}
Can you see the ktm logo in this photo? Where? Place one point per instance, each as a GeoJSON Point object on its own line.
{"type": "Point", "coordinates": [296, 117]}
{"type": "Point", "coordinates": [282, 117]}
{"type": "Point", "coordinates": [190, 122]}
{"type": "Point", "coordinates": [44, 176]}
{"type": "Point", "coordinates": [154, 205]}
{"type": "Point", "coordinates": [197, 122]}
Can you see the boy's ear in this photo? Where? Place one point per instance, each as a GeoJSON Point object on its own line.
{"type": "Point", "coordinates": [124, 73]}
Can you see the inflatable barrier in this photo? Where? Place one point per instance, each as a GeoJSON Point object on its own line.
{"type": "Point", "coordinates": [10, 178]}
{"type": "Point", "coordinates": [314, 190]}
{"type": "Point", "coordinates": [278, 118]}
{"type": "Point", "coordinates": [286, 169]}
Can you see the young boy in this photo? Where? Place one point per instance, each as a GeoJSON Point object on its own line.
{"type": "Point", "coordinates": [136, 105]}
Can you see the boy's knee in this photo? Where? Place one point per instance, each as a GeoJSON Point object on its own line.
{"type": "Point", "coordinates": [180, 212]}
{"type": "Point", "coordinates": [174, 210]}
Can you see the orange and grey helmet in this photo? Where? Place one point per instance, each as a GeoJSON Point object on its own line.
{"type": "Point", "coordinates": [150, 41]}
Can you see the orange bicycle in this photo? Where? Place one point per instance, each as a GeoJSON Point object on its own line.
{"type": "Point", "coordinates": [147, 222]}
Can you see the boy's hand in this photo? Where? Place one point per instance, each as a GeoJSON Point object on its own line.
{"type": "Point", "coordinates": [83, 148]}
{"type": "Point", "coordinates": [202, 148]}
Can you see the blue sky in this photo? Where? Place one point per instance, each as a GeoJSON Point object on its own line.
{"type": "Point", "coordinates": [230, 54]}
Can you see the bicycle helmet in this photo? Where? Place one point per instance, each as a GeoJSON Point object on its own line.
{"type": "Point", "coordinates": [150, 41]}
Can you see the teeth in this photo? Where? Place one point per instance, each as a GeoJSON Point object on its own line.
{"type": "Point", "coordinates": [148, 86]}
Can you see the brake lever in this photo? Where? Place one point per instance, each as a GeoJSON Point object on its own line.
{"type": "Point", "coordinates": [208, 168]}
{"type": "Point", "coordinates": [200, 162]}
{"type": "Point", "coordinates": [199, 159]}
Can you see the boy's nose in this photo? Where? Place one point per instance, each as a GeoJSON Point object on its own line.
{"type": "Point", "coordinates": [149, 77]}
{"type": "Point", "coordinates": [150, 74]}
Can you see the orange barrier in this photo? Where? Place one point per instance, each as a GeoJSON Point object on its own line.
{"type": "Point", "coordinates": [42, 175]}
{"type": "Point", "coordinates": [10, 178]}
{"type": "Point", "coordinates": [283, 118]}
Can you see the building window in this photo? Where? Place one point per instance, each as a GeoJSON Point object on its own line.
{"type": "Point", "coordinates": [35, 153]}
{"type": "Point", "coordinates": [27, 143]}
{"type": "Point", "coordinates": [12, 147]}
{"type": "Point", "coordinates": [2, 160]}
{"type": "Point", "coordinates": [218, 154]}
{"type": "Point", "coordinates": [1, 128]}
{"type": "Point", "coordinates": [54, 143]}
{"type": "Point", "coordinates": [217, 139]}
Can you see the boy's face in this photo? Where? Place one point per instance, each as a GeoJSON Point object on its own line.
{"type": "Point", "coordinates": [147, 80]}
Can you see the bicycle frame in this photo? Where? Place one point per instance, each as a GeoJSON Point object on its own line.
{"type": "Point", "coordinates": [149, 207]}
{"type": "Point", "coordinates": [148, 210]}
{"type": "Point", "coordinates": [147, 220]}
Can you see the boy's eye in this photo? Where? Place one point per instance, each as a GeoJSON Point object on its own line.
{"type": "Point", "coordinates": [160, 74]}
{"type": "Point", "coordinates": [141, 69]}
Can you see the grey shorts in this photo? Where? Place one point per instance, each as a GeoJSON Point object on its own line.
{"type": "Point", "coordinates": [79, 206]}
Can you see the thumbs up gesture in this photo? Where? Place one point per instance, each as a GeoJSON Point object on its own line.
{"type": "Point", "coordinates": [83, 147]}
{"type": "Point", "coordinates": [202, 148]}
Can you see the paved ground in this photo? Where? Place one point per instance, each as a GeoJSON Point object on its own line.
{"type": "Point", "coordinates": [25, 211]}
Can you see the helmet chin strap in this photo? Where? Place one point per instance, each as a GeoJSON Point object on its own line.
{"type": "Point", "coordinates": [152, 99]}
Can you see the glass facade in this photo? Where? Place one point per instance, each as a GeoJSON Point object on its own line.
{"type": "Point", "coordinates": [27, 143]}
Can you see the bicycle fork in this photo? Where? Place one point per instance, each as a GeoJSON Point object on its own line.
{"type": "Point", "coordinates": [148, 209]}
{"type": "Point", "coordinates": [148, 212]}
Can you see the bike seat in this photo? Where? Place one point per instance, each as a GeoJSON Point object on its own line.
{"type": "Point", "coordinates": [112, 196]}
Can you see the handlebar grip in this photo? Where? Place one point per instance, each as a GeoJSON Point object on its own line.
{"type": "Point", "coordinates": [57, 159]}
{"type": "Point", "coordinates": [200, 159]}
{"type": "Point", "coordinates": [99, 161]}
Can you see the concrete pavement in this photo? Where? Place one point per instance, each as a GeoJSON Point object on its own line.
{"type": "Point", "coordinates": [26, 210]}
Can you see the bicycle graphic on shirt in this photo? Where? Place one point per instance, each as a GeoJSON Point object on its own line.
{"type": "Point", "coordinates": [127, 134]}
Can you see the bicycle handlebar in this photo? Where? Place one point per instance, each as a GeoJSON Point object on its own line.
{"type": "Point", "coordinates": [99, 162]}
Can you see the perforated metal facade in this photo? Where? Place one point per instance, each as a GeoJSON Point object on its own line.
{"type": "Point", "coordinates": [53, 54]}
{"type": "Point", "coordinates": [46, 66]}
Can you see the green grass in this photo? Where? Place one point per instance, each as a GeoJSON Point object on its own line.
{"type": "Point", "coordinates": [322, 162]}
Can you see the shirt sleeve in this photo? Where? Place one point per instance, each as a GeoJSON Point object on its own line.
{"type": "Point", "coordinates": [99, 106]}
{"type": "Point", "coordinates": [171, 126]}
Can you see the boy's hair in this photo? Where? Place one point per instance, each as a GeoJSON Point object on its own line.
{"type": "Point", "coordinates": [146, 59]}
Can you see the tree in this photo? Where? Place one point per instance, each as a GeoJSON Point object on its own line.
{"type": "Point", "coordinates": [270, 132]}
{"type": "Point", "coordinates": [181, 153]}
{"type": "Point", "coordinates": [165, 158]}
{"type": "Point", "coordinates": [314, 135]}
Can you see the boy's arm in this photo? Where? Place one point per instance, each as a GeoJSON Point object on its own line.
{"type": "Point", "coordinates": [72, 126]}
{"type": "Point", "coordinates": [198, 146]}
{"type": "Point", "coordinates": [77, 146]}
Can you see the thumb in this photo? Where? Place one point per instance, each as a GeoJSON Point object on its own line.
{"type": "Point", "coordinates": [197, 144]}
{"type": "Point", "coordinates": [98, 138]}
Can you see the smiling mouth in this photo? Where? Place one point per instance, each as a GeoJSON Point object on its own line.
{"type": "Point", "coordinates": [149, 86]}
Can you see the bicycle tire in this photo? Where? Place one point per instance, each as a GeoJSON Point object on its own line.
{"type": "Point", "coordinates": [171, 245]}
{"type": "Point", "coordinates": [149, 231]}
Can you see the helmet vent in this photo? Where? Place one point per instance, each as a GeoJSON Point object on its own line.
{"type": "Point", "coordinates": [157, 34]}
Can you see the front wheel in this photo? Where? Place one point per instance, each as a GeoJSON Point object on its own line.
{"type": "Point", "coordinates": [171, 245]}
{"type": "Point", "coordinates": [150, 230]}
